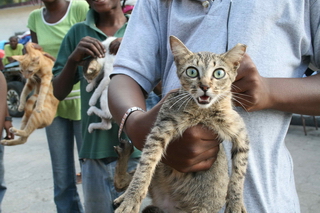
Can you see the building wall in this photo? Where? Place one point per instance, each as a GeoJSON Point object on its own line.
{"type": "Point", "coordinates": [14, 20]}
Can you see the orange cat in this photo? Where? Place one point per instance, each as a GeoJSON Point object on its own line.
{"type": "Point", "coordinates": [41, 107]}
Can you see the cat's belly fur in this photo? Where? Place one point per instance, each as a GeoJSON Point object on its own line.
{"type": "Point", "coordinates": [173, 191]}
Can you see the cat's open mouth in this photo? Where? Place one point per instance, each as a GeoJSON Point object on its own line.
{"type": "Point", "coordinates": [204, 99]}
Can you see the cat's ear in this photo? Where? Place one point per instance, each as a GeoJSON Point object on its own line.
{"type": "Point", "coordinates": [18, 57]}
{"type": "Point", "coordinates": [236, 53]}
{"type": "Point", "coordinates": [178, 48]}
{"type": "Point", "coordinates": [36, 59]}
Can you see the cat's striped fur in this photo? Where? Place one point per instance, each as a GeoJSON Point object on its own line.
{"type": "Point", "coordinates": [204, 98]}
{"type": "Point", "coordinates": [41, 107]}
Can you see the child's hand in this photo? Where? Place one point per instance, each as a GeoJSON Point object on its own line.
{"type": "Point", "coordinates": [87, 47]}
{"type": "Point", "coordinates": [114, 46]}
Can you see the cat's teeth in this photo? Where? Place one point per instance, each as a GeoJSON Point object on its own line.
{"type": "Point", "coordinates": [204, 99]}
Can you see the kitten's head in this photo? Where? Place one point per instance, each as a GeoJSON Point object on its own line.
{"type": "Point", "coordinates": [206, 76]}
{"type": "Point", "coordinates": [30, 63]}
{"type": "Point", "coordinates": [91, 69]}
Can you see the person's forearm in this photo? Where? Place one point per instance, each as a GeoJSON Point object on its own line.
{"type": "Point", "coordinates": [296, 95]}
{"type": "Point", "coordinates": [63, 83]}
{"type": "Point", "coordinates": [124, 93]}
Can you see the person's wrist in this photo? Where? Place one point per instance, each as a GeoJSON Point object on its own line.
{"type": "Point", "coordinates": [8, 118]}
{"type": "Point", "coordinates": [129, 112]}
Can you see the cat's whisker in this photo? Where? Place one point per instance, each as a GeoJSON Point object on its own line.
{"type": "Point", "coordinates": [236, 96]}
{"type": "Point", "coordinates": [190, 98]}
{"type": "Point", "coordinates": [237, 93]}
{"type": "Point", "coordinates": [242, 105]}
{"type": "Point", "coordinates": [235, 87]}
{"type": "Point", "coordinates": [186, 95]}
{"type": "Point", "coordinates": [185, 101]}
{"type": "Point", "coordinates": [176, 97]}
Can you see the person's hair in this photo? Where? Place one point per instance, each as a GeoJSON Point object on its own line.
{"type": "Point", "coordinates": [14, 37]}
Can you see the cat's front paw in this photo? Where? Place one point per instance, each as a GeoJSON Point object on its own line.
{"type": "Point", "coordinates": [90, 87]}
{"type": "Point", "coordinates": [235, 207]}
{"type": "Point", "coordinates": [38, 109]}
{"type": "Point", "coordinates": [92, 102]}
{"type": "Point", "coordinates": [124, 149]}
{"type": "Point", "coordinates": [6, 142]}
{"type": "Point", "coordinates": [13, 130]}
{"type": "Point", "coordinates": [90, 128]}
{"type": "Point", "coordinates": [90, 111]}
{"type": "Point", "coordinates": [21, 107]}
{"type": "Point", "coordinates": [126, 204]}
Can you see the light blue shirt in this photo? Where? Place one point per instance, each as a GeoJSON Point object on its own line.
{"type": "Point", "coordinates": [283, 37]}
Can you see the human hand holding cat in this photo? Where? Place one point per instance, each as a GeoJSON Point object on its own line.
{"type": "Point", "coordinates": [87, 47]}
{"type": "Point", "coordinates": [195, 151]}
{"type": "Point", "coordinates": [114, 46]}
{"type": "Point", "coordinates": [7, 126]}
{"type": "Point", "coordinates": [250, 89]}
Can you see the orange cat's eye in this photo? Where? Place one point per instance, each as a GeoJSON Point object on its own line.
{"type": "Point", "coordinates": [219, 73]}
{"type": "Point", "coordinates": [192, 72]}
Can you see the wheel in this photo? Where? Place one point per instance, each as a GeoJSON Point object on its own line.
{"type": "Point", "coordinates": [13, 98]}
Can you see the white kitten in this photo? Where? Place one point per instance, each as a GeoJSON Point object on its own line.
{"type": "Point", "coordinates": [93, 74]}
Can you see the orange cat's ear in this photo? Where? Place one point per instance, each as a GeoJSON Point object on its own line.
{"type": "Point", "coordinates": [18, 57]}
{"type": "Point", "coordinates": [236, 53]}
{"type": "Point", "coordinates": [36, 59]}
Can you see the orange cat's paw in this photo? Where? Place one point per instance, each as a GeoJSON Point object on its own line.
{"type": "Point", "coordinates": [13, 130]}
{"type": "Point", "coordinates": [38, 110]}
{"type": "Point", "coordinates": [21, 108]}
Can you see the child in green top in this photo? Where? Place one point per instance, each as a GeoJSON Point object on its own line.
{"type": "Point", "coordinates": [48, 26]}
{"type": "Point", "coordinates": [105, 18]}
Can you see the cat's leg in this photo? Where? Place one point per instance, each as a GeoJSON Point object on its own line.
{"type": "Point", "coordinates": [34, 122]}
{"type": "Point", "coordinates": [28, 87]}
{"type": "Point", "coordinates": [106, 120]}
{"type": "Point", "coordinates": [99, 90]}
{"type": "Point", "coordinates": [104, 104]}
{"type": "Point", "coordinates": [14, 142]}
{"type": "Point", "coordinates": [90, 86]}
{"type": "Point", "coordinates": [99, 112]}
{"type": "Point", "coordinates": [95, 110]}
{"type": "Point", "coordinates": [103, 125]}
{"type": "Point", "coordinates": [155, 145]}
{"type": "Point", "coordinates": [44, 88]}
{"type": "Point", "coordinates": [28, 110]}
{"type": "Point", "coordinates": [240, 150]}
{"type": "Point", "coordinates": [122, 178]}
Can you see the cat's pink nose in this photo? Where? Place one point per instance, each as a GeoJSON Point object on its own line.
{"type": "Point", "coordinates": [204, 87]}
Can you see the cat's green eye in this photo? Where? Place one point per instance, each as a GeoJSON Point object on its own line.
{"type": "Point", "coordinates": [219, 73]}
{"type": "Point", "coordinates": [192, 72]}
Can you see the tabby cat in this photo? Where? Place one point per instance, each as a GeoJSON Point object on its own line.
{"type": "Point", "coordinates": [204, 98]}
{"type": "Point", "coordinates": [99, 69]}
{"type": "Point", "coordinates": [40, 108]}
